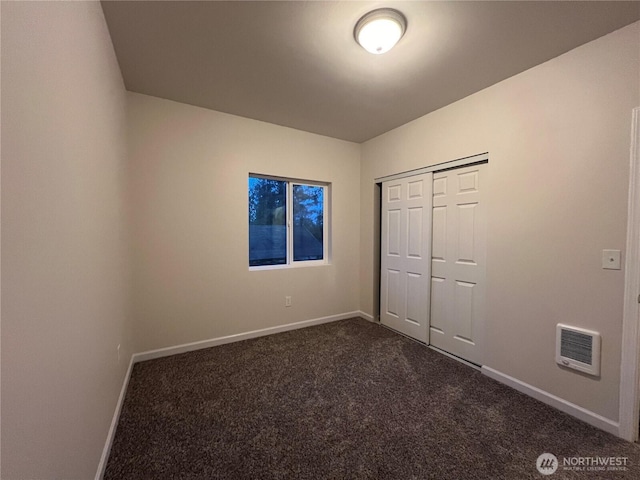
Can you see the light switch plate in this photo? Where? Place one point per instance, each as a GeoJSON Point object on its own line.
{"type": "Point", "coordinates": [611, 259]}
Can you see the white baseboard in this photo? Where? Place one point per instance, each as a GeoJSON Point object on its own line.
{"type": "Point", "coordinates": [366, 316]}
{"type": "Point", "coordinates": [572, 409]}
{"type": "Point", "coordinates": [114, 423]}
{"type": "Point", "coordinates": [213, 342]}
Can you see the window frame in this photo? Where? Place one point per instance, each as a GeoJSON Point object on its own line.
{"type": "Point", "coordinates": [326, 214]}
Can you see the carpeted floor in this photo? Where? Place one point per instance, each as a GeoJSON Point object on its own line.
{"type": "Point", "coordinates": [344, 400]}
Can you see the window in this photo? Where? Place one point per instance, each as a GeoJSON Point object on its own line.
{"type": "Point", "coordinates": [287, 222]}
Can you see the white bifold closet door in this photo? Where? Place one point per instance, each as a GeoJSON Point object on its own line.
{"type": "Point", "coordinates": [459, 262]}
{"type": "Point", "coordinates": [406, 255]}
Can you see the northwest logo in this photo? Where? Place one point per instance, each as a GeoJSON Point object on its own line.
{"type": "Point", "coordinates": [547, 464]}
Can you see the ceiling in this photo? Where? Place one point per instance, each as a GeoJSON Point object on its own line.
{"type": "Point", "coordinates": [295, 63]}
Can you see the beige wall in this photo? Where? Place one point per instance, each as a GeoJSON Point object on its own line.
{"type": "Point", "coordinates": [189, 170]}
{"type": "Point", "coordinates": [558, 142]}
{"type": "Point", "coordinates": [64, 266]}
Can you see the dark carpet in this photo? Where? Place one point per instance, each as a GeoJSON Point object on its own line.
{"type": "Point", "coordinates": [344, 400]}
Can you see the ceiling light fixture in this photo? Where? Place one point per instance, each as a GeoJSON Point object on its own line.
{"type": "Point", "coordinates": [379, 30]}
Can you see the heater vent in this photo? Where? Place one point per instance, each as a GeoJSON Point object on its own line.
{"type": "Point", "coordinates": [578, 348]}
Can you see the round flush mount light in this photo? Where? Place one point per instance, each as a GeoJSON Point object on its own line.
{"type": "Point", "coordinates": [379, 30]}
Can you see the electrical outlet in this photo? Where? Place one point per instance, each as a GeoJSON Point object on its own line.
{"type": "Point", "coordinates": [287, 301]}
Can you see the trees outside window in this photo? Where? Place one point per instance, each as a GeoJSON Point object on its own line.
{"type": "Point", "coordinates": [286, 222]}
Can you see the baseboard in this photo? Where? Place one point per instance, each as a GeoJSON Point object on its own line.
{"type": "Point", "coordinates": [114, 423]}
{"type": "Point", "coordinates": [572, 409]}
{"type": "Point", "coordinates": [366, 316]}
{"type": "Point", "coordinates": [213, 342]}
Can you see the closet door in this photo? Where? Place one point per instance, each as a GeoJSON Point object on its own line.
{"type": "Point", "coordinates": [458, 262]}
{"type": "Point", "coordinates": [406, 255]}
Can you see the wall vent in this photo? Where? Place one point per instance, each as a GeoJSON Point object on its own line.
{"type": "Point", "coordinates": [578, 348]}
